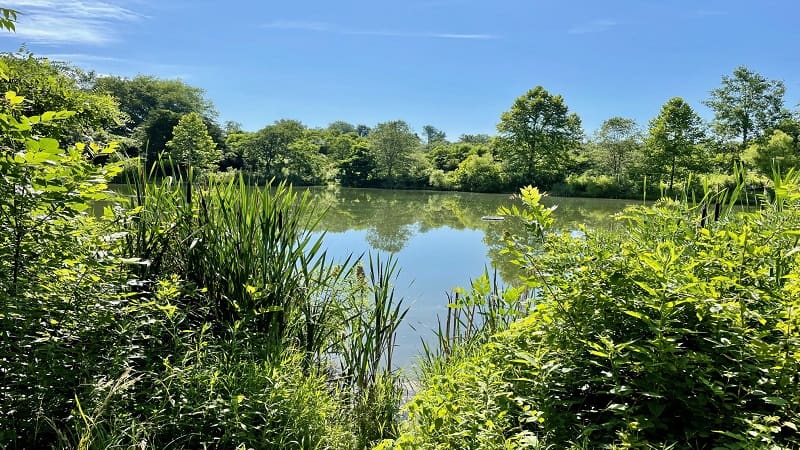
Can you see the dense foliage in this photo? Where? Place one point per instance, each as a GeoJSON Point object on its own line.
{"type": "Point", "coordinates": [679, 332]}
{"type": "Point", "coordinates": [191, 145]}
{"type": "Point", "coordinates": [50, 86]}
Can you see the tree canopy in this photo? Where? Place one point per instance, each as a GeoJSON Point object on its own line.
{"type": "Point", "coordinates": [615, 145]}
{"type": "Point", "coordinates": [747, 105]}
{"type": "Point", "coordinates": [673, 138]}
{"type": "Point", "coordinates": [192, 146]}
{"type": "Point", "coordinates": [393, 143]}
{"type": "Point", "coordinates": [141, 95]}
{"type": "Point", "coordinates": [538, 137]}
{"type": "Point", "coordinates": [49, 86]}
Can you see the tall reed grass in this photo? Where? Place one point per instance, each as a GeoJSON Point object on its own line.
{"type": "Point", "coordinates": [255, 300]}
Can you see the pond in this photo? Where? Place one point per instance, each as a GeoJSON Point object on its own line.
{"type": "Point", "coordinates": [438, 239]}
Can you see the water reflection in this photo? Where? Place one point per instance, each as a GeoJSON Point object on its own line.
{"type": "Point", "coordinates": [439, 239]}
{"type": "Point", "coordinates": [390, 219]}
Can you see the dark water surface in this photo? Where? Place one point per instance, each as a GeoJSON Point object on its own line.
{"type": "Point", "coordinates": [439, 240]}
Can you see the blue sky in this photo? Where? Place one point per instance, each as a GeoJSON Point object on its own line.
{"type": "Point", "coordinates": [455, 64]}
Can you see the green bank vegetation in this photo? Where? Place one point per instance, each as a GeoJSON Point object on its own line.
{"type": "Point", "coordinates": [679, 332]}
{"type": "Point", "coordinates": [197, 312]}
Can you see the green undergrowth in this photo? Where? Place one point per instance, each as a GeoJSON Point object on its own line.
{"type": "Point", "coordinates": [189, 313]}
{"type": "Point", "coordinates": [681, 331]}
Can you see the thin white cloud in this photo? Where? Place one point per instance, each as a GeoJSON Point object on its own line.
{"type": "Point", "coordinates": [90, 22]}
{"type": "Point", "coordinates": [595, 26]}
{"type": "Point", "coordinates": [329, 28]}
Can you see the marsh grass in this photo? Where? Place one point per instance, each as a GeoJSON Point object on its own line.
{"type": "Point", "coordinates": [475, 314]}
{"type": "Point", "coordinates": [248, 333]}
{"type": "Point", "coordinates": [193, 313]}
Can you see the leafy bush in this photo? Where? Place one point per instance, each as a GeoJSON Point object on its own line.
{"type": "Point", "coordinates": [601, 186]}
{"type": "Point", "coordinates": [681, 331]}
{"type": "Point", "coordinates": [479, 174]}
{"type": "Point", "coordinates": [59, 283]}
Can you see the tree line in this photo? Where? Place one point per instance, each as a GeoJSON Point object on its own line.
{"type": "Point", "coordinates": [538, 141]}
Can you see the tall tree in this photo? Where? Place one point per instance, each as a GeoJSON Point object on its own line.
{"type": "Point", "coordinates": [616, 142]}
{"type": "Point", "coordinates": [152, 135]}
{"type": "Point", "coordinates": [393, 143]}
{"type": "Point", "coordinates": [538, 138]}
{"type": "Point", "coordinates": [358, 168]}
{"type": "Point", "coordinates": [746, 106]}
{"type": "Point", "coordinates": [191, 145]}
{"type": "Point", "coordinates": [674, 135]}
{"type": "Point", "coordinates": [143, 94]}
{"type": "Point", "coordinates": [433, 135]}
{"type": "Point", "coordinates": [153, 106]}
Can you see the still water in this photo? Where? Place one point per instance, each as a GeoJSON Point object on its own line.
{"type": "Point", "coordinates": [438, 239]}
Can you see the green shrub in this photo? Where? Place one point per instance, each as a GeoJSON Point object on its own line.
{"type": "Point", "coordinates": [479, 174]}
{"type": "Point", "coordinates": [679, 331]}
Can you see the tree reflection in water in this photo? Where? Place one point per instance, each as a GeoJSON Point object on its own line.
{"type": "Point", "coordinates": [439, 239]}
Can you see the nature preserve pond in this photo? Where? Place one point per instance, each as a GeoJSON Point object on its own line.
{"type": "Point", "coordinates": [439, 240]}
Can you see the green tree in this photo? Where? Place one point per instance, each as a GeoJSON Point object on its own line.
{"type": "Point", "coordinates": [234, 144]}
{"type": "Point", "coordinates": [445, 156]}
{"type": "Point", "coordinates": [615, 145]}
{"type": "Point", "coordinates": [303, 162]}
{"type": "Point", "coordinates": [341, 127]}
{"type": "Point", "coordinates": [674, 135]}
{"type": "Point", "coordinates": [358, 169]}
{"type": "Point", "coordinates": [433, 135]}
{"type": "Point", "coordinates": [791, 126]}
{"type": "Point", "coordinates": [776, 155]}
{"type": "Point", "coordinates": [340, 146]}
{"type": "Point", "coordinates": [266, 151]}
{"type": "Point", "coordinates": [393, 142]}
{"type": "Point", "coordinates": [153, 107]}
{"type": "Point", "coordinates": [192, 146]}
{"type": "Point", "coordinates": [478, 174]}
{"type": "Point", "coordinates": [746, 106]}
{"type": "Point", "coordinates": [143, 94]}
{"type": "Point", "coordinates": [152, 135]}
{"type": "Point", "coordinates": [538, 138]}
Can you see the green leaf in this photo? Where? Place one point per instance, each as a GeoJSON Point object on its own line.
{"type": "Point", "coordinates": [49, 145]}
{"type": "Point", "coordinates": [13, 98]}
{"type": "Point", "coordinates": [777, 401]}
